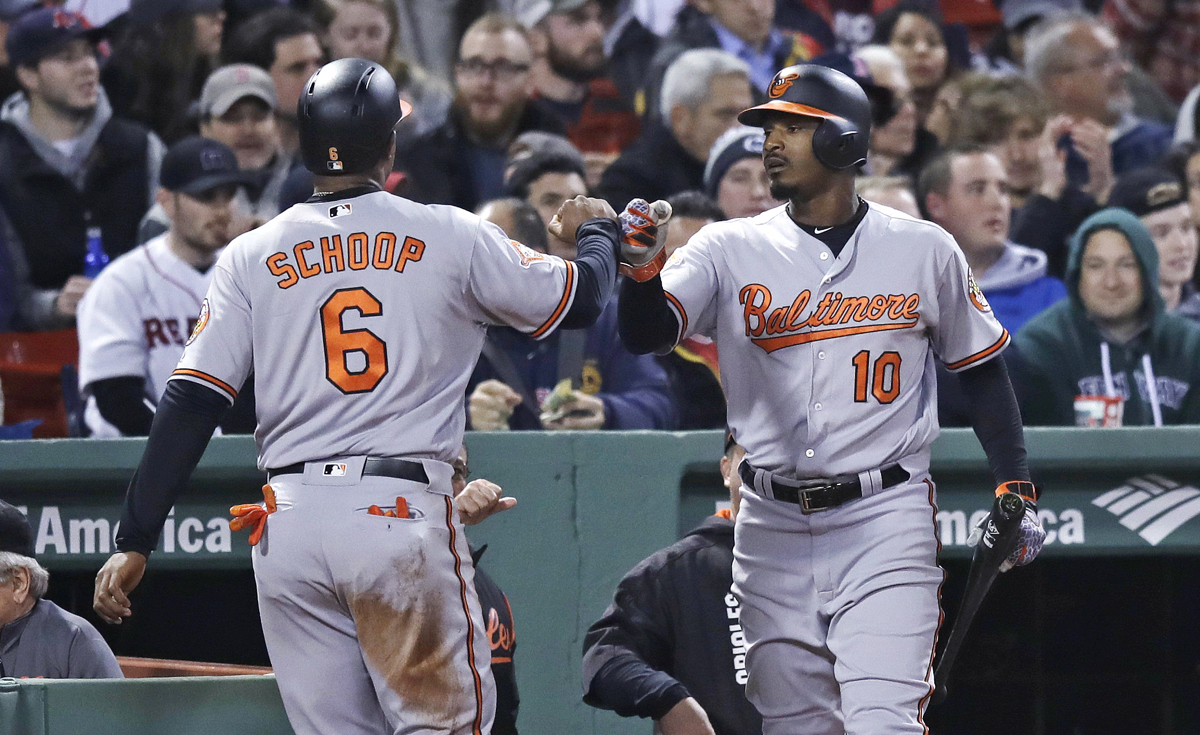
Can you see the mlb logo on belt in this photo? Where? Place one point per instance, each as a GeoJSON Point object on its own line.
{"type": "Point", "coordinates": [335, 469]}
{"type": "Point", "coordinates": [339, 210]}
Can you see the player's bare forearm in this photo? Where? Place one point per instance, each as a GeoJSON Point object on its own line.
{"type": "Point", "coordinates": [183, 425]}
{"type": "Point", "coordinates": [645, 319]}
{"type": "Point", "coordinates": [996, 419]}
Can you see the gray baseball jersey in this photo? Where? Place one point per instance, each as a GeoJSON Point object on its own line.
{"type": "Point", "coordinates": [363, 320]}
{"type": "Point", "coordinates": [134, 320]}
{"type": "Point", "coordinates": [828, 363]}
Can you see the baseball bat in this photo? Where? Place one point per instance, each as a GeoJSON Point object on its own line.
{"type": "Point", "coordinates": [1000, 534]}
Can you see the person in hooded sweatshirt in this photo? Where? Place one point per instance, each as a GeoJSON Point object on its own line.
{"type": "Point", "coordinates": [1112, 336]}
{"type": "Point", "coordinates": [70, 172]}
{"type": "Point", "coordinates": [965, 189]}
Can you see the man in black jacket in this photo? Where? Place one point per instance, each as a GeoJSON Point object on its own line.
{"type": "Point", "coordinates": [67, 166]}
{"type": "Point", "coordinates": [670, 647]}
{"type": "Point", "coordinates": [700, 99]}
{"type": "Point", "coordinates": [462, 162]}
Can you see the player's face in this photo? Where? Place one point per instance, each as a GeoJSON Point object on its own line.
{"type": "Point", "coordinates": [249, 128]}
{"type": "Point", "coordinates": [681, 230]}
{"type": "Point", "coordinates": [919, 44]}
{"type": "Point", "coordinates": [697, 130]}
{"type": "Point", "coordinates": [296, 59]}
{"type": "Point", "coordinates": [750, 20]}
{"type": "Point", "coordinates": [67, 80]}
{"type": "Point", "coordinates": [792, 168]}
{"type": "Point", "coordinates": [1019, 152]}
{"type": "Point", "coordinates": [575, 42]}
{"type": "Point", "coordinates": [548, 192]}
{"type": "Point", "coordinates": [1110, 280]}
{"type": "Point", "coordinates": [744, 190]}
{"type": "Point", "coordinates": [976, 207]}
{"type": "Point", "coordinates": [359, 29]}
{"type": "Point", "coordinates": [202, 222]}
{"type": "Point", "coordinates": [1175, 238]}
{"type": "Point", "coordinates": [492, 76]}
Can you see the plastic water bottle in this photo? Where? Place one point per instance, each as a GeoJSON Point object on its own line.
{"type": "Point", "coordinates": [95, 259]}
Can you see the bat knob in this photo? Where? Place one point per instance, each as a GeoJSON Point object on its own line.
{"type": "Point", "coordinates": [1012, 505]}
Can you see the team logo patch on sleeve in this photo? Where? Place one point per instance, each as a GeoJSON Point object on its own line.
{"type": "Point", "coordinates": [201, 323]}
{"type": "Point", "coordinates": [338, 210]}
{"type": "Point", "coordinates": [527, 254]}
{"type": "Point", "coordinates": [976, 293]}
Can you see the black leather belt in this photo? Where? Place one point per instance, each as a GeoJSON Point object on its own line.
{"type": "Point", "coordinates": [401, 469]}
{"type": "Point", "coordinates": [824, 492]}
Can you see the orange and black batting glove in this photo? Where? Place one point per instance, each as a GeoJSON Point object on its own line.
{"type": "Point", "coordinates": [401, 510]}
{"type": "Point", "coordinates": [1027, 490]}
{"type": "Point", "coordinates": [254, 514]}
{"type": "Point", "coordinates": [643, 234]}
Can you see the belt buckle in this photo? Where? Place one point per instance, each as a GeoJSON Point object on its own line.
{"type": "Point", "coordinates": [806, 507]}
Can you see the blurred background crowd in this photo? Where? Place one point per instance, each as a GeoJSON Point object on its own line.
{"type": "Point", "coordinates": [1054, 139]}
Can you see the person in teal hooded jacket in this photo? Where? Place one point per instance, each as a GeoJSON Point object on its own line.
{"type": "Point", "coordinates": [1112, 336]}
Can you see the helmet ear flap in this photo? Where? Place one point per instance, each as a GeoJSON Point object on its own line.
{"type": "Point", "coordinates": [838, 144]}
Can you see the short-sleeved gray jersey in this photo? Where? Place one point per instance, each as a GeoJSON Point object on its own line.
{"type": "Point", "coordinates": [828, 362]}
{"type": "Point", "coordinates": [362, 319]}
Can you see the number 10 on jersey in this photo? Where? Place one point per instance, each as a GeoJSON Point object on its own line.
{"type": "Point", "coordinates": [883, 376]}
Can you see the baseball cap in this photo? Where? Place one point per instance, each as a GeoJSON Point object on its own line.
{"type": "Point", "coordinates": [1020, 12]}
{"type": "Point", "coordinates": [197, 165]}
{"type": "Point", "coordinates": [1147, 190]}
{"type": "Point", "coordinates": [531, 12]}
{"type": "Point", "coordinates": [225, 86]}
{"type": "Point", "coordinates": [16, 535]}
{"type": "Point", "coordinates": [41, 32]}
{"type": "Point", "coordinates": [734, 145]}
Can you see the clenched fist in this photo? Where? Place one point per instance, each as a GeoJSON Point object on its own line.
{"type": "Point", "coordinates": [574, 212]}
{"type": "Point", "coordinates": [490, 405]}
{"type": "Point", "coordinates": [481, 499]}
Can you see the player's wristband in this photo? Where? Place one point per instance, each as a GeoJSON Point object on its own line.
{"type": "Point", "coordinates": [646, 271]}
{"type": "Point", "coordinates": [1027, 490]}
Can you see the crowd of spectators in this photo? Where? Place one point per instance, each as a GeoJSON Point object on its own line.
{"type": "Point", "coordinates": [1016, 125]}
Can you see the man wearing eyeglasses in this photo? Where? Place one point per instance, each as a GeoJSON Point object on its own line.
{"type": "Point", "coordinates": [1077, 63]}
{"type": "Point", "coordinates": [462, 162]}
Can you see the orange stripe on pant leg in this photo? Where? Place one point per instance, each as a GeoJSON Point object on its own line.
{"type": "Point", "coordinates": [941, 616]}
{"type": "Point", "coordinates": [477, 728]}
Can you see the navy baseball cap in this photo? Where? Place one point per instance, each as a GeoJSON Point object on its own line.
{"type": "Point", "coordinates": [41, 32]}
{"type": "Point", "coordinates": [16, 535]}
{"type": "Point", "coordinates": [198, 165]}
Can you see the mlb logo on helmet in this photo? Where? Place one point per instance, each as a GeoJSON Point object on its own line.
{"type": "Point", "coordinates": [781, 83]}
{"type": "Point", "coordinates": [334, 164]}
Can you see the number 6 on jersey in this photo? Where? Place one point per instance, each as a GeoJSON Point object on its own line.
{"type": "Point", "coordinates": [340, 343]}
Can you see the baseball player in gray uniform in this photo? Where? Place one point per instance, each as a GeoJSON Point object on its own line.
{"type": "Point", "coordinates": [829, 314]}
{"type": "Point", "coordinates": [362, 315]}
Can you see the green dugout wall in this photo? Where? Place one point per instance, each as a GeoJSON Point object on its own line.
{"type": "Point", "coordinates": [591, 505]}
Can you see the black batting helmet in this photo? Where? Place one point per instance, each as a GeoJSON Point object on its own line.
{"type": "Point", "coordinates": [811, 90]}
{"type": "Point", "coordinates": [346, 114]}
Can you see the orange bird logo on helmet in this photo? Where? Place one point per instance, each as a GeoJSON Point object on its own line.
{"type": "Point", "coordinates": [780, 84]}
